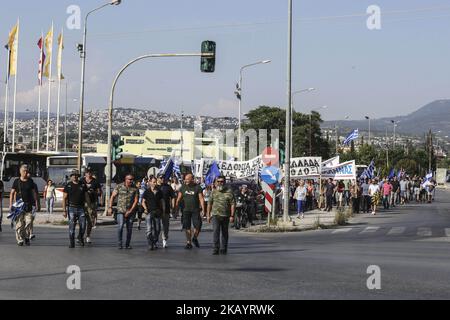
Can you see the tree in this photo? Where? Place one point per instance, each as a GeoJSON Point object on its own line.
{"type": "Point", "coordinates": [265, 117]}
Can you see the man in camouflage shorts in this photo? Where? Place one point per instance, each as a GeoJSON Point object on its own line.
{"type": "Point", "coordinates": [93, 192]}
{"type": "Point", "coordinates": [127, 200]}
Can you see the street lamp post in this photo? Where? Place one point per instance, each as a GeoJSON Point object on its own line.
{"type": "Point", "coordinates": [368, 118]}
{"type": "Point", "coordinates": [239, 96]}
{"type": "Point", "coordinates": [292, 115]}
{"type": "Point", "coordinates": [287, 164]}
{"type": "Point", "coordinates": [111, 108]}
{"type": "Point", "coordinates": [395, 123]}
{"type": "Point", "coordinates": [82, 50]}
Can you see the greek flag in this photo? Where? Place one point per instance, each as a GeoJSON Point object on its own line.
{"type": "Point", "coordinates": [369, 173]}
{"type": "Point", "coordinates": [166, 168]}
{"type": "Point", "coordinates": [177, 170]}
{"type": "Point", "coordinates": [429, 176]}
{"type": "Point", "coordinates": [353, 136]}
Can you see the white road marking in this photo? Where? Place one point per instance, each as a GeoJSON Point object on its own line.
{"type": "Point", "coordinates": [424, 232]}
{"type": "Point", "coordinates": [342, 230]}
{"type": "Point", "coordinates": [370, 230]}
{"type": "Point", "coordinates": [396, 231]}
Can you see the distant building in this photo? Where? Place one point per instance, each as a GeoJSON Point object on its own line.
{"type": "Point", "coordinates": [163, 144]}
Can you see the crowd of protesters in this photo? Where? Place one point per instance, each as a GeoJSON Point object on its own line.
{"type": "Point", "coordinates": [362, 196]}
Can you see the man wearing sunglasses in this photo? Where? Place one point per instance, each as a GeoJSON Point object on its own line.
{"type": "Point", "coordinates": [222, 207]}
{"type": "Point", "coordinates": [127, 200]}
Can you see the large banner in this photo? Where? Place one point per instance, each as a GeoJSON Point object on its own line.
{"type": "Point", "coordinates": [306, 167]}
{"type": "Point", "coordinates": [230, 169]}
{"type": "Point", "coordinates": [344, 171]}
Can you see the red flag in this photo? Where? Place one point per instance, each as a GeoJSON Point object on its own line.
{"type": "Point", "coordinates": [41, 60]}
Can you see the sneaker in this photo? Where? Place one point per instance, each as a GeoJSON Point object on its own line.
{"type": "Point", "coordinates": [196, 243]}
{"type": "Point", "coordinates": [129, 248]}
{"type": "Point", "coordinates": [88, 240]}
{"type": "Point", "coordinates": [215, 252]}
{"type": "Point", "coordinates": [27, 242]}
{"type": "Point", "coordinates": [188, 246]}
{"type": "Point", "coordinates": [81, 242]}
{"type": "Point", "coordinates": [20, 243]}
{"type": "Point", "coordinates": [32, 237]}
{"type": "Point", "coordinates": [71, 245]}
{"type": "Point", "coordinates": [165, 246]}
{"type": "Point", "coordinates": [151, 247]}
{"type": "Point", "coordinates": [120, 247]}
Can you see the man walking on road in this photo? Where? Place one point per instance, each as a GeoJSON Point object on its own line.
{"type": "Point", "coordinates": [192, 196]}
{"type": "Point", "coordinates": [24, 189]}
{"type": "Point", "coordinates": [1, 204]}
{"type": "Point", "coordinates": [73, 207]}
{"type": "Point", "coordinates": [127, 200]}
{"type": "Point", "coordinates": [329, 191]}
{"type": "Point", "coordinates": [221, 211]}
{"type": "Point", "coordinates": [168, 195]}
{"type": "Point", "coordinates": [93, 192]}
{"type": "Point", "coordinates": [154, 207]}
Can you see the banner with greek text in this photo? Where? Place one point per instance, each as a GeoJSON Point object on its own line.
{"type": "Point", "coordinates": [344, 171]}
{"type": "Point", "coordinates": [306, 167]}
{"type": "Point", "coordinates": [230, 169]}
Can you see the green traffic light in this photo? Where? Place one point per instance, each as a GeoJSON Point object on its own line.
{"type": "Point", "coordinates": [208, 64]}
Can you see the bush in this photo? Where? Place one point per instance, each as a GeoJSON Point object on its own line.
{"type": "Point", "coordinates": [341, 218]}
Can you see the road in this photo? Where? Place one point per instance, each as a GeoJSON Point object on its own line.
{"type": "Point", "coordinates": [410, 244]}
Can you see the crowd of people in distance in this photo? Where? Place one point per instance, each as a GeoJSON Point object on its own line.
{"type": "Point", "coordinates": [363, 196]}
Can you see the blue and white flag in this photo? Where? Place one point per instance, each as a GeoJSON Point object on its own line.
{"type": "Point", "coordinates": [166, 168]}
{"type": "Point", "coordinates": [353, 136]}
{"type": "Point", "coordinates": [369, 173]}
{"type": "Point", "coordinates": [429, 176]}
{"type": "Point", "coordinates": [391, 174]}
{"type": "Point", "coordinates": [177, 170]}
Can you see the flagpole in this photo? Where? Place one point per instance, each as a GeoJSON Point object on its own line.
{"type": "Point", "coordinates": [5, 124]}
{"type": "Point", "coordinates": [41, 75]}
{"type": "Point", "coordinates": [59, 90]}
{"type": "Point", "coordinates": [49, 94]}
{"type": "Point", "coordinates": [16, 43]}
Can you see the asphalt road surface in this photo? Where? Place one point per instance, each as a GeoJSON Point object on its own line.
{"type": "Point", "coordinates": [409, 244]}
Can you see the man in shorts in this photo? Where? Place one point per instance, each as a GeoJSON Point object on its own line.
{"type": "Point", "coordinates": [93, 192]}
{"type": "Point", "coordinates": [192, 196]}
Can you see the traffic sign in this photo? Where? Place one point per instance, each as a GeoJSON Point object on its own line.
{"type": "Point", "coordinates": [270, 175]}
{"type": "Point", "coordinates": [114, 171]}
{"type": "Point", "coordinates": [271, 157]}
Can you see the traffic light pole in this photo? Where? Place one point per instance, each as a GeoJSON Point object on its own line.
{"type": "Point", "coordinates": [111, 108]}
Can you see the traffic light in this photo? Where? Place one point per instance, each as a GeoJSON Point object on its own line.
{"type": "Point", "coordinates": [117, 150]}
{"type": "Point", "coordinates": [208, 63]}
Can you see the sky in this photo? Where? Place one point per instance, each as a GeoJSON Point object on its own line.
{"type": "Point", "coordinates": [356, 71]}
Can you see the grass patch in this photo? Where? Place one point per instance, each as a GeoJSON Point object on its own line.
{"type": "Point", "coordinates": [341, 217]}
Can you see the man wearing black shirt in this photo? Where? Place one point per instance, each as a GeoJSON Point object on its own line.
{"type": "Point", "coordinates": [154, 206]}
{"type": "Point", "coordinates": [73, 207]}
{"type": "Point", "coordinates": [168, 194]}
{"type": "Point", "coordinates": [93, 192]}
{"type": "Point", "coordinates": [24, 188]}
{"type": "Point", "coordinates": [329, 192]}
{"type": "Point", "coordinates": [395, 191]}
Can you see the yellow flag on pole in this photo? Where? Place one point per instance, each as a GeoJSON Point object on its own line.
{"type": "Point", "coordinates": [13, 44]}
{"type": "Point", "coordinates": [49, 51]}
{"type": "Point", "coordinates": [60, 51]}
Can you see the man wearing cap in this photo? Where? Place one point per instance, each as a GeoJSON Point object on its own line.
{"type": "Point", "coordinates": [221, 211]}
{"type": "Point", "coordinates": [24, 188]}
{"type": "Point", "coordinates": [127, 200]}
{"type": "Point", "coordinates": [93, 192]}
{"type": "Point", "coordinates": [73, 207]}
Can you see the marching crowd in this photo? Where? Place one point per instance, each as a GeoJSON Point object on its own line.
{"type": "Point", "coordinates": [154, 200]}
{"type": "Point", "coordinates": [362, 196]}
